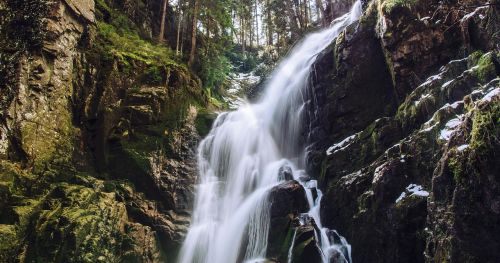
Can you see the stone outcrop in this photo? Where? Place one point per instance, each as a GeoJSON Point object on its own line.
{"type": "Point", "coordinates": [394, 106]}
{"type": "Point", "coordinates": [287, 203]}
{"type": "Point", "coordinates": [97, 136]}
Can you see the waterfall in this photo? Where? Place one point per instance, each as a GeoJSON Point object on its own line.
{"type": "Point", "coordinates": [239, 163]}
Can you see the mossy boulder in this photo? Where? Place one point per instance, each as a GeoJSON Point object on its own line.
{"type": "Point", "coordinates": [288, 201]}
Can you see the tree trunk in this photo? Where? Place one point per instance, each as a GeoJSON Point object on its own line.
{"type": "Point", "coordinates": [306, 13]}
{"type": "Point", "coordinates": [269, 24]}
{"type": "Point", "coordinates": [243, 37]}
{"type": "Point", "coordinates": [194, 31]}
{"type": "Point", "coordinates": [257, 24]}
{"type": "Point", "coordinates": [321, 8]}
{"type": "Point", "coordinates": [161, 37]}
{"type": "Point", "coordinates": [294, 20]}
{"type": "Point", "coordinates": [179, 26]}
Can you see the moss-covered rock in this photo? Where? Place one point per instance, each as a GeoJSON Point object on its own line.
{"type": "Point", "coordinates": [96, 99]}
{"type": "Point", "coordinates": [366, 164]}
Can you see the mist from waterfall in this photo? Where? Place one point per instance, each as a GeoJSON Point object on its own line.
{"type": "Point", "coordinates": [240, 159]}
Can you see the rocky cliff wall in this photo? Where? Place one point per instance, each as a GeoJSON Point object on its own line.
{"type": "Point", "coordinates": [99, 127]}
{"type": "Point", "coordinates": [403, 127]}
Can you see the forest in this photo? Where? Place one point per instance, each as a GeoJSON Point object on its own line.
{"type": "Point", "coordinates": [249, 131]}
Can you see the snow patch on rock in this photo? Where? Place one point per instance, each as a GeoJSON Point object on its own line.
{"type": "Point", "coordinates": [413, 190]}
{"type": "Point", "coordinates": [449, 128]}
{"type": "Point", "coordinates": [489, 96]}
{"type": "Point", "coordinates": [341, 145]}
{"type": "Point", "coordinates": [462, 147]}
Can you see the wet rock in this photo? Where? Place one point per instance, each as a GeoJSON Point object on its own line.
{"type": "Point", "coordinates": [463, 208]}
{"type": "Point", "coordinates": [285, 173]}
{"type": "Point", "coordinates": [5, 196]}
{"type": "Point", "coordinates": [380, 185]}
{"type": "Point", "coordinates": [287, 198]}
{"type": "Point", "coordinates": [305, 247]}
{"type": "Point", "coordinates": [352, 66]}
{"type": "Point", "coordinates": [84, 9]}
{"type": "Point", "coordinates": [287, 201]}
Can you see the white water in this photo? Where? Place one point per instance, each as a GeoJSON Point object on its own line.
{"type": "Point", "coordinates": [239, 163]}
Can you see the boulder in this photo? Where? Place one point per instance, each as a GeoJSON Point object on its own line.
{"type": "Point", "coordinates": [287, 201]}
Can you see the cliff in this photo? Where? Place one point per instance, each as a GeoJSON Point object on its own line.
{"type": "Point", "coordinates": [404, 134]}
{"type": "Point", "coordinates": [98, 134]}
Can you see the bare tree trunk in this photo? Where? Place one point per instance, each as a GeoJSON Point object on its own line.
{"type": "Point", "coordinates": [321, 9]}
{"type": "Point", "coordinates": [194, 31]}
{"type": "Point", "coordinates": [304, 13]}
{"type": "Point", "coordinates": [294, 20]}
{"type": "Point", "coordinates": [269, 24]}
{"type": "Point", "coordinates": [331, 10]}
{"type": "Point", "coordinates": [296, 11]}
{"type": "Point", "coordinates": [243, 37]}
{"type": "Point", "coordinates": [179, 26]}
{"type": "Point", "coordinates": [161, 37]}
{"type": "Point", "coordinates": [251, 26]}
{"type": "Point", "coordinates": [257, 23]}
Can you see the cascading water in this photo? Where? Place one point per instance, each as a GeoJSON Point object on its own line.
{"type": "Point", "coordinates": [239, 163]}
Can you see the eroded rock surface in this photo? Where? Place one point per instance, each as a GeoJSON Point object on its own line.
{"type": "Point", "coordinates": [392, 113]}
{"type": "Point", "coordinates": [97, 139]}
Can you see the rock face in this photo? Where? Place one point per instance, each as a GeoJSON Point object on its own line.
{"type": "Point", "coordinates": [98, 129]}
{"type": "Point", "coordinates": [97, 136]}
{"type": "Point", "coordinates": [397, 104]}
{"type": "Point", "coordinates": [288, 201]}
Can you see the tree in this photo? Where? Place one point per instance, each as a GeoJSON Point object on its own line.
{"type": "Point", "coordinates": [161, 36]}
{"type": "Point", "coordinates": [180, 20]}
{"type": "Point", "coordinates": [321, 11]}
{"type": "Point", "coordinates": [194, 30]}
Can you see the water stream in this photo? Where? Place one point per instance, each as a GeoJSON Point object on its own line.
{"type": "Point", "coordinates": [239, 162]}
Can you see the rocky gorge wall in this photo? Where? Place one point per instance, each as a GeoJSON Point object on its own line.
{"type": "Point", "coordinates": [99, 127]}
{"type": "Point", "coordinates": [403, 128]}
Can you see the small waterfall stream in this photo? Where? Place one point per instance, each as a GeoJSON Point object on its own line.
{"type": "Point", "coordinates": [239, 162]}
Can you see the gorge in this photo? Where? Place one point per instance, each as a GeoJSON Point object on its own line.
{"type": "Point", "coordinates": [249, 131]}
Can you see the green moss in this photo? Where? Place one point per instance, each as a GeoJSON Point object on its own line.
{"type": "Point", "coordinates": [153, 75]}
{"type": "Point", "coordinates": [298, 250]}
{"type": "Point", "coordinates": [280, 237]}
{"type": "Point", "coordinates": [486, 128]}
{"type": "Point", "coordinates": [204, 121]}
{"type": "Point", "coordinates": [389, 5]}
{"type": "Point", "coordinates": [370, 17]}
{"type": "Point", "coordinates": [486, 69]}
{"type": "Point", "coordinates": [473, 58]}
{"type": "Point", "coordinates": [8, 243]}
{"type": "Point", "coordinates": [128, 46]}
{"type": "Point", "coordinates": [456, 166]}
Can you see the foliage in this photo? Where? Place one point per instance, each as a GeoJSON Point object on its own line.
{"type": "Point", "coordinates": [213, 65]}
{"type": "Point", "coordinates": [153, 75]}
{"type": "Point", "coordinates": [214, 70]}
{"type": "Point", "coordinates": [244, 62]}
